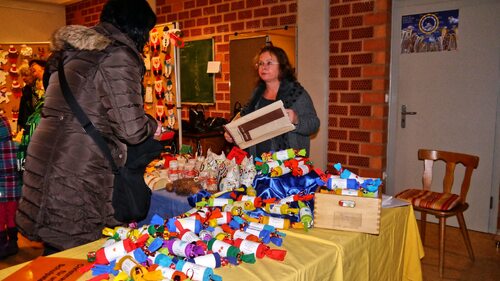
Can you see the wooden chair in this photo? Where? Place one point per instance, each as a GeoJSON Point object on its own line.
{"type": "Point", "coordinates": [443, 204]}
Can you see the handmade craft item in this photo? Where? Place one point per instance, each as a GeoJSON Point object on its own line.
{"type": "Point", "coordinates": [186, 186]}
{"type": "Point", "coordinates": [279, 223]}
{"type": "Point", "coordinates": [196, 271]}
{"type": "Point", "coordinates": [212, 260]}
{"type": "Point", "coordinates": [281, 208]}
{"type": "Point", "coordinates": [224, 228]}
{"type": "Point", "coordinates": [348, 183]}
{"type": "Point", "coordinates": [248, 172]}
{"type": "Point", "coordinates": [283, 155]}
{"type": "Point", "coordinates": [232, 177]}
{"type": "Point", "coordinates": [238, 154]}
{"type": "Point", "coordinates": [118, 249]}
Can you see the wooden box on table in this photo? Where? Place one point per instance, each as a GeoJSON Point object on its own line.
{"type": "Point", "coordinates": [352, 213]}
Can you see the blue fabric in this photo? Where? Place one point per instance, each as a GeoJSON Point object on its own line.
{"type": "Point", "coordinates": [168, 204]}
{"type": "Point", "coordinates": [284, 186]}
{"type": "Point", "coordinates": [193, 199]}
{"type": "Point", "coordinates": [275, 187]}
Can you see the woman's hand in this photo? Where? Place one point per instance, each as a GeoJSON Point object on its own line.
{"type": "Point", "coordinates": [228, 137]}
{"type": "Point", "coordinates": [294, 118]}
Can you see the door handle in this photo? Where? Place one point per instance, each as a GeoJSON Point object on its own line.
{"type": "Point", "coordinates": [403, 115]}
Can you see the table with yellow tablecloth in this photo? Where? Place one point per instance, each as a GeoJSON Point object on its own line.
{"type": "Point", "coordinates": [323, 254]}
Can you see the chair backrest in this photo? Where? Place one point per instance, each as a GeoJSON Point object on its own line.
{"type": "Point", "coordinates": [451, 159]}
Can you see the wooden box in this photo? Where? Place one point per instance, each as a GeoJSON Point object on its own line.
{"type": "Point", "coordinates": [260, 125]}
{"type": "Point", "coordinates": [360, 214]}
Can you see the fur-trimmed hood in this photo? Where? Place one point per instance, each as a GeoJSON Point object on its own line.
{"type": "Point", "coordinates": [71, 39]}
{"type": "Point", "coordinates": [79, 37]}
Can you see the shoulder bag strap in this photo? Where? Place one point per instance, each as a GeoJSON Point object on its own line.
{"type": "Point", "coordinates": [83, 118]}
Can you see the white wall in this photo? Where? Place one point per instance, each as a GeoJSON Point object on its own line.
{"type": "Point", "coordinates": [312, 67]}
{"type": "Point", "coordinates": [464, 86]}
{"type": "Point", "coordinates": [152, 3]}
{"type": "Point", "coordinates": [21, 21]}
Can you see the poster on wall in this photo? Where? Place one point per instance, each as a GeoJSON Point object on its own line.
{"type": "Point", "coordinates": [429, 32]}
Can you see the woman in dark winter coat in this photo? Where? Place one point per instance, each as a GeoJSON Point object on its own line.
{"type": "Point", "coordinates": [68, 182]}
{"type": "Point", "coordinates": [277, 82]}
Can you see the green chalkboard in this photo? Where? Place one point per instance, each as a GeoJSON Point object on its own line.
{"type": "Point", "coordinates": [197, 86]}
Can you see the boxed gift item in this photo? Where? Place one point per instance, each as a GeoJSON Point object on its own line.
{"type": "Point", "coordinates": [260, 125]}
{"type": "Point", "coordinates": [343, 212]}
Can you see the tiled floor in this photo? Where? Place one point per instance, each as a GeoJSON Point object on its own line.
{"type": "Point", "coordinates": [457, 263]}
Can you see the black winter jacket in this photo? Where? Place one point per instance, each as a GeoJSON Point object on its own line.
{"type": "Point", "coordinates": [68, 182]}
{"type": "Point", "coordinates": [295, 97]}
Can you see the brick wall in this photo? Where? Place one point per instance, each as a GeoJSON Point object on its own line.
{"type": "Point", "coordinates": [84, 12]}
{"type": "Point", "coordinates": [220, 19]}
{"type": "Point", "coordinates": [359, 73]}
{"type": "Point", "coordinates": [359, 63]}
{"type": "Point", "coordinates": [205, 18]}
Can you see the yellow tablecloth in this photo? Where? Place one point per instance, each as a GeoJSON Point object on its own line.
{"type": "Point", "coordinates": [323, 254]}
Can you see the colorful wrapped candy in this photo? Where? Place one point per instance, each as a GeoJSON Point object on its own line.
{"type": "Point", "coordinates": [349, 183]}
{"type": "Point", "coordinates": [268, 167]}
{"type": "Point", "coordinates": [281, 208]}
{"type": "Point", "coordinates": [212, 260]}
{"type": "Point", "coordinates": [198, 272]}
{"type": "Point", "coordinates": [135, 270]}
{"type": "Point", "coordinates": [118, 249]}
{"type": "Point", "coordinates": [279, 171]}
{"type": "Point", "coordinates": [259, 250]}
{"type": "Point", "coordinates": [305, 214]}
{"type": "Point", "coordinates": [283, 155]}
{"type": "Point", "coordinates": [280, 223]}
{"type": "Point", "coordinates": [225, 228]}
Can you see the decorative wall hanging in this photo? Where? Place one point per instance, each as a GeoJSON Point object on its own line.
{"type": "Point", "coordinates": [162, 94]}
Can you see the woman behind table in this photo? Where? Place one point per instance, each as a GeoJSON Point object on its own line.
{"type": "Point", "coordinates": [277, 82]}
{"type": "Point", "coordinates": [10, 191]}
{"type": "Point", "coordinates": [68, 182]}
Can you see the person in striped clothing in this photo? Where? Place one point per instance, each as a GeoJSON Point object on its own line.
{"type": "Point", "coordinates": [10, 190]}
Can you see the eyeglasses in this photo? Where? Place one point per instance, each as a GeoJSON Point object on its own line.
{"type": "Point", "coordinates": [268, 63]}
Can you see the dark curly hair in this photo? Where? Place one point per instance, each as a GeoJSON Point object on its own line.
{"type": "Point", "coordinates": [133, 17]}
{"type": "Point", "coordinates": [286, 70]}
{"type": "Point", "coordinates": [41, 63]}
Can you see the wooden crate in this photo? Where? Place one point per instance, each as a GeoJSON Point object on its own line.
{"type": "Point", "coordinates": [360, 214]}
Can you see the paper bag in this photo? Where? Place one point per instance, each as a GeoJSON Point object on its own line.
{"type": "Point", "coordinates": [260, 125]}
